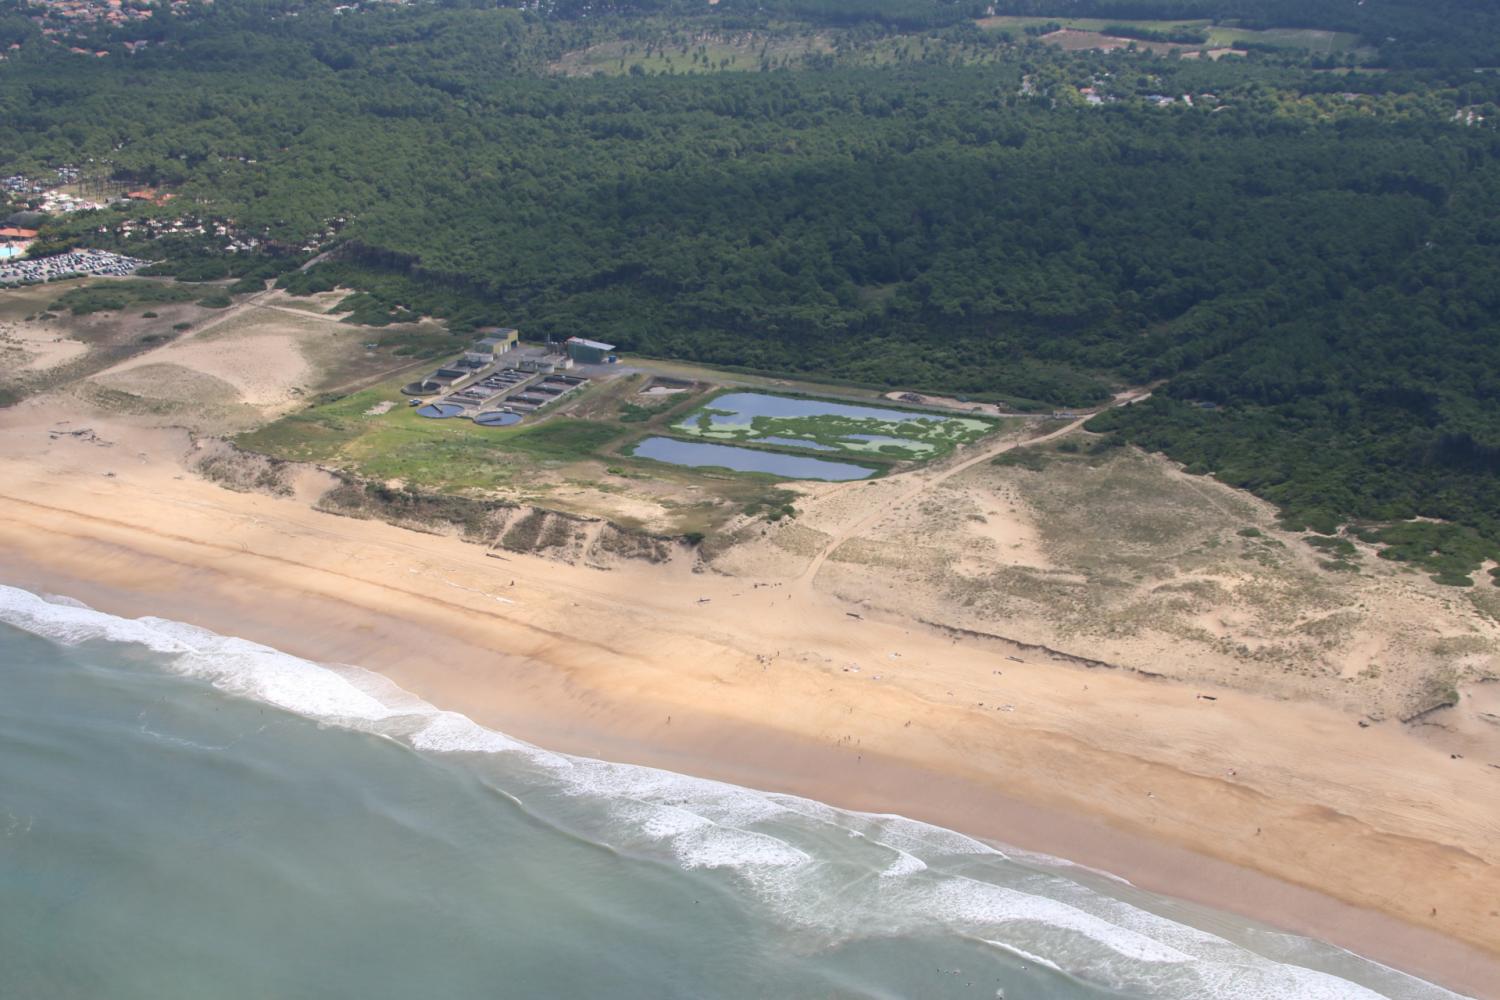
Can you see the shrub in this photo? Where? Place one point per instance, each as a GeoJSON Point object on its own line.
{"type": "Point", "coordinates": [1029, 459]}
{"type": "Point", "coordinates": [248, 285]}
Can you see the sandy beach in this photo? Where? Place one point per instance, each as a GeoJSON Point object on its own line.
{"type": "Point", "coordinates": [1285, 811]}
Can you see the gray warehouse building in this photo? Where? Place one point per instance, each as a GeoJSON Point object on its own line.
{"type": "Point", "coordinates": [588, 352]}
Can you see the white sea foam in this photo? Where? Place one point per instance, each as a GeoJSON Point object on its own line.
{"type": "Point", "coordinates": [64, 600]}
{"type": "Point", "coordinates": [905, 864]}
{"type": "Point", "coordinates": [235, 665]}
{"type": "Point", "coordinates": [912, 835]}
{"type": "Point", "coordinates": [1024, 954]}
{"type": "Point", "coordinates": [1048, 861]}
{"type": "Point", "coordinates": [968, 902]}
{"type": "Point", "coordinates": [449, 732]}
{"type": "Point", "coordinates": [835, 874]}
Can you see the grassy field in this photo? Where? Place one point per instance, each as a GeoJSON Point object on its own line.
{"type": "Point", "coordinates": [705, 53]}
{"type": "Point", "coordinates": [576, 457]}
{"type": "Point", "coordinates": [1019, 23]}
{"type": "Point", "coordinates": [1308, 39]}
{"type": "Point", "coordinates": [438, 454]}
{"type": "Point", "coordinates": [114, 296]}
{"type": "Point", "coordinates": [751, 51]}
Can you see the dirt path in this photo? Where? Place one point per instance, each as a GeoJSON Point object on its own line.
{"type": "Point", "coordinates": [926, 479]}
{"type": "Point", "coordinates": [301, 313]}
{"type": "Point", "coordinates": [251, 301]}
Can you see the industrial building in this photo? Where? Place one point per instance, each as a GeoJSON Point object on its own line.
{"type": "Point", "coordinates": [501, 338]}
{"type": "Point", "coordinates": [497, 341]}
{"type": "Point", "coordinates": [546, 365]}
{"type": "Point", "coordinates": [588, 352]}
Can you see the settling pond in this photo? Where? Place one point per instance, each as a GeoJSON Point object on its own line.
{"type": "Point", "coordinates": [824, 425]}
{"type": "Point", "coordinates": [695, 455]}
{"type": "Point", "coordinates": [440, 411]}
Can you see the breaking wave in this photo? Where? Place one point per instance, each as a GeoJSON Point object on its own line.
{"type": "Point", "coordinates": [833, 875]}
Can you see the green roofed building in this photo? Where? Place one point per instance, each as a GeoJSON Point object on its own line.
{"type": "Point", "coordinates": [588, 352]}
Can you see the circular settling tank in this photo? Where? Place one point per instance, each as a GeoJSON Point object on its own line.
{"type": "Point", "coordinates": [439, 410]}
{"type": "Point", "coordinates": [497, 418]}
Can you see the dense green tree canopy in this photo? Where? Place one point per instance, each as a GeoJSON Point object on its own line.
{"type": "Point", "coordinates": [1312, 255]}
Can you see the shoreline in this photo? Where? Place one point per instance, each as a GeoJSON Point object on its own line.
{"type": "Point", "coordinates": [738, 755]}
{"type": "Point", "coordinates": [624, 665]}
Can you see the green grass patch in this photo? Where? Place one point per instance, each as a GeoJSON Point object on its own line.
{"type": "Point", "coordinates": [1020, 23]}
{"type": "Point", "coordinates": [1184, 32]}
{"type": "Point", "coordinates": [454, 454]}
{"type": "Point", "coordinates": [634, 413]}
{"type": "Point", "coordinates": [1305, 39]}
{"type": "Point", "coordinates": [559, 439]}
{"type": "Point", "coordinates": [420, 342]}
{"type": "Point", "coordinates": [114, 296]}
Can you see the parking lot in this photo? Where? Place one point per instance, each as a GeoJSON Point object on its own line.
{"type": "Point", "coordinates": [100, 263]}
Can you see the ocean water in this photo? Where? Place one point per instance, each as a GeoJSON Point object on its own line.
{"type": "Point", "coordinates": [188, 815]}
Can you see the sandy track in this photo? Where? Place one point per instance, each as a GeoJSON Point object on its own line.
{"type": "Point", "coordinates": [920, 481]}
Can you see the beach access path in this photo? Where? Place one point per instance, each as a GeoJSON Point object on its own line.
{"type": "Point", "coordinates": [926, 478]}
